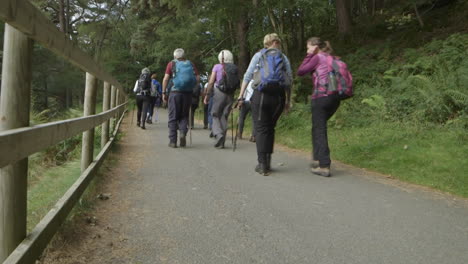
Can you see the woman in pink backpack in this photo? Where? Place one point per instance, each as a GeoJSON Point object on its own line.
{"type": "Point", "coordinates": [325, 101]}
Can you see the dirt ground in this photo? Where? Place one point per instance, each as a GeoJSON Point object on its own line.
{"type": "Point", "coordinates": [98, 235]}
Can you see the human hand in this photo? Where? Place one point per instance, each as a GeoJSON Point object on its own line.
{"type": "Point", "coordinates": [312, 49]}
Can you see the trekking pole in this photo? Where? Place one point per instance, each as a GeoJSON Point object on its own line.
{"type": "Point", "coordinates": [237, 131]}
{"type": "Point", "coordinates": [232, 127]}
{"type": "Point", "coordinates": [190, 126]}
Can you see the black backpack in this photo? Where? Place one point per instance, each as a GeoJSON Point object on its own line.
{"type": "Point", "coordinates": [144, 83]}
{"type": "Point", "coordinates": [230, 79]}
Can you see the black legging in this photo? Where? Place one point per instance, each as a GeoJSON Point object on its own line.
{"type": "Point", "coordinates": [322, 109]}
{"type": "Point", "coordinates": [266, 110]}
{"type": "Point", "coordinates": [142, 102]}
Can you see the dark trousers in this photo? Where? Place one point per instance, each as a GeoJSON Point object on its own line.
{"type": "Point", "coordinates": [193, 108]}
{"type": "Point", "coordinates": [322, 109]}
{"type": "Point", "coordinates": [210, 117]}
{"type": "Point", "coordinates": [244, 111]}
{"type": "Point", "coordinates": [142, 102]}
{"type": "Point", "coordinates": [266, 110]}
{"type": "Point", "coordinates": [205, 115]}
{"type": "Point", "coordinates": [179, 108]}
{"type": "Point", "coordinates": [151, 104]}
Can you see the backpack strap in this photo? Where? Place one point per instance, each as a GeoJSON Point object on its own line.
{"type": "Point", "coordinates": [173, 68]}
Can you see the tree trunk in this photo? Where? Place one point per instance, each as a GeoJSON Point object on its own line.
{"type": "Point", "coordinates": [62, 20]}
{"type": "Point", "coordinates": [343, 18]}
{"type": "Point", "coordinates": [242, 29]}
{"type": "Point", "coordinates": [421, 23]}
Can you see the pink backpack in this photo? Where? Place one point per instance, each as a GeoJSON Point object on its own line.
{"type": "Point", "coordinates": [339, 78]}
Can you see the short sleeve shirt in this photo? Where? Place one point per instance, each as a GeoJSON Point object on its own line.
{"type": "Point", "coordinates": [218, 70]}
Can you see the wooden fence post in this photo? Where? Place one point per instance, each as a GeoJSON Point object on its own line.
{"type": "Point", "coordinates": [105, 107]}
{"type": "Point", "coordinates": [87, 147]}
{"type": "Point", "coordinates": [15, 100]}
{"type": "Point", "coordinates": [112, 104]}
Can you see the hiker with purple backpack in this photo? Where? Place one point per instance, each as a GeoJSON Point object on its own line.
{"type": "Point", "coordinates": [332, 83]}
{"type": "Point", "coordinates": [271, 71]}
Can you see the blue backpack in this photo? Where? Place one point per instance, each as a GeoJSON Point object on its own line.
{"type": "Point", "coordinates": [272, 76]}
{"type": "Point", "coordinates": [183, 76]}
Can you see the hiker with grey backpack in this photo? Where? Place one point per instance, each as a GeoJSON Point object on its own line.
{"type": "Point", "coordinates": [271, 71]}
{"type": "Point", "coordinates": [143, 91]}
{"type": "Point", "coordinates": [224, 78]}
{"type": "Point", "coordinates": [332, 83]}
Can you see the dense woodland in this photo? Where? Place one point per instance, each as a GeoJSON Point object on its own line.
{"type": "Point", "coordinates": [409, 58]}
{"type": "Point", "coordinates": [128, 35]}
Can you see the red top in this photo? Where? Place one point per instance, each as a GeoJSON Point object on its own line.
{"type": "Point", "coordinates": [169, 68]}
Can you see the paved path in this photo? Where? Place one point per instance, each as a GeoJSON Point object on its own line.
{"type": "Point", "coordinates": [203, 205]}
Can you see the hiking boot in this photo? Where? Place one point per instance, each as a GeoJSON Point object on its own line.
{"type": "Point", "coordinates": [219, 142]}
{"type": "Point", "coordinates": [261, 169]}
{"type": "Point", "coordinates": [268, 161]}
{"type": "Point", "coordinates": [325, 172]}
{"type": "Point", "coordinates": [183, 141]}
{"type": "Point", "coordinates": [314, 164]}
{"type": "Point", "coordinates": [172, 145]}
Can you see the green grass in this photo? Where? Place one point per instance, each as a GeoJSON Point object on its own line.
{"type": "Point", "coordinates": [53, 184]}
{"type": "Point", "coordinates": [434, 156]}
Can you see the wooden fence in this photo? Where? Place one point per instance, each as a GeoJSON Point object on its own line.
{"type": "Point", "coordinates": [23, 25]}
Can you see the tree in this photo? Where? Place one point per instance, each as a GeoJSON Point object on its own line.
{"type": "Point", "coordinates": [343, 18]}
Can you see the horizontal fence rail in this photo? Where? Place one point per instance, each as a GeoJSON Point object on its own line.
{"type": "Point", "coordinates": [25, 17]}
{"type": "Point", "coordinates": [24, 23]}
{"type": "Point", "coordinates": [16, 144]}
{"type": "Point", "coordinates": [31, 248]}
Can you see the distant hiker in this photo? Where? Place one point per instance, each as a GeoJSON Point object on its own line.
{"type": "Point", "coordinates": [155, 93]}
{"type": "Point", "coordinates": [244, 111]}
{"type": "Point", "coordinates": [142, 89]}
{"type": "Point", "coordinates": [325, 99]}
{"type": "Point", "coordinates": [272, 94]}
{"type": "Point", "coordinates": [224, 77]}
{"type": "Point", "coordinates": [184, 78]}
{"type": "Point", "coordinates": [197, 91]}
{"type": "Point", "coordinates": [158, 101]}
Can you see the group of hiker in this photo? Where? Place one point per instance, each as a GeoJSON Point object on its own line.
{"type": "Point", "coordinates": [265, 91]}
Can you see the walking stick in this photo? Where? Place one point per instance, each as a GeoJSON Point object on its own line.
{"type": "Point", "coordinates": [237, 131]}
{"type": "Point", "coordinates": [232, 127]}
{"type": "Point", "coordinates": [190, 126]}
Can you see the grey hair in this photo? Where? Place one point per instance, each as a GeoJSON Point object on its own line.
{"type": "Point", "coordinates": [228, 57]}
{"type": "Point", "coordinates": [145, 70]}
{"type": "Point", "coordinates": [179, 53]}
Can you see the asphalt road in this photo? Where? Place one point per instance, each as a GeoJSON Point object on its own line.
{"type": "Point", "coordinates": [203, 205]}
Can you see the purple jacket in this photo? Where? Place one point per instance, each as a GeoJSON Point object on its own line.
{"type": "Point", "coordinates": [316, 65]}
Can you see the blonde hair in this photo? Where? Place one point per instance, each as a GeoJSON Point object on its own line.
{"type": "Point", "coordinates": [228, 57]}
{"type": "Point", "coordinates": [322, 45]}
{"type": "Point", "coordinates": [269, 39]}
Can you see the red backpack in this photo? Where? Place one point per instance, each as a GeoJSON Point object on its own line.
{"type": "Point", "coordinates": [339, 78]}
